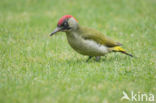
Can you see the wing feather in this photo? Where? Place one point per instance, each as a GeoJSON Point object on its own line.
{"type": "Point", "coordinates": [97, 36]}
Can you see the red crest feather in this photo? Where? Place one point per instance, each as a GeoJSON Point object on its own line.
{"type": "Point", "coordinates": [64, 18]}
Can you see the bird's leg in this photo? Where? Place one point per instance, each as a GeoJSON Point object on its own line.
{"type": "Point", "coordinates": [89, 58]}
{"type": "Point", "coordinates": [98, 58]}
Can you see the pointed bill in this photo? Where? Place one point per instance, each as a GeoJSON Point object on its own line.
{"type": "Point", "coordinates": [55, 31]}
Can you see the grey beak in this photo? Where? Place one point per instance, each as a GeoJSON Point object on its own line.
{"type": "Point", "coordinates": [55, 31]}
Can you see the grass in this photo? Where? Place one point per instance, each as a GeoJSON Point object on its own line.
{"type": "Point", "coordinates": [35, 68]}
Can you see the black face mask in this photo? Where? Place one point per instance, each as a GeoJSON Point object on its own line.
{"type": "Point", "coordinates": [65, 25]}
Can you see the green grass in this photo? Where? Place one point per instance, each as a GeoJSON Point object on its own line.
{"type": "Point", "coordinates": [35, 68]}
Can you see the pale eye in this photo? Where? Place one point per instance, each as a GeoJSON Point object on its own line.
{"type": "Point", "coordinates": [65, 24]}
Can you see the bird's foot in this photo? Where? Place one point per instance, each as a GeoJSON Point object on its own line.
{"type": "Point", "coordinates": [89, 58]}
{"type": "Point", "coordinates": [98, 58]}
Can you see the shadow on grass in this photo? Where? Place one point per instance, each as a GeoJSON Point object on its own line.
{"type": "Point", "coordinates": [104, 59]}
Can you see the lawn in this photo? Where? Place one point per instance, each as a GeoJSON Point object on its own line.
{"type": "Point", "coordinates": [36, 68]}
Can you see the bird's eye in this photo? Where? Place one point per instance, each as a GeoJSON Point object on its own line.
{"type": "Point", "coordinates": [65, 24]}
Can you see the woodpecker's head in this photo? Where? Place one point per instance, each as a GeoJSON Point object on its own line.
{"type": "Point", "coordinates": [66, 23]}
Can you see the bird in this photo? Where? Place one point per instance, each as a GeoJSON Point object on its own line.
{"type": "Point", "coordinates": [87, 41]}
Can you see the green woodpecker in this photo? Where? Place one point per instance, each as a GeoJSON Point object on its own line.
{"type": "Point", "coordinates": [87, 41]}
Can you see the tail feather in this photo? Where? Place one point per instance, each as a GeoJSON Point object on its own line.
{"type": "Point", "coordinates": [127, 53]}
{"type": "Point", "coordinates": [119, 49]}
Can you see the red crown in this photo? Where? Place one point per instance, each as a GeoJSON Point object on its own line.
{"type": "Point", "coordinates": [64, 18]}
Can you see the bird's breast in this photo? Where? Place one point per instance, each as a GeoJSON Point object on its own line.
{"type": "Point", "coordinates": [85, 47]}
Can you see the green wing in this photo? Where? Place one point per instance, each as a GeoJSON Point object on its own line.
{"type": "Point", "coordinates": [91, 34]}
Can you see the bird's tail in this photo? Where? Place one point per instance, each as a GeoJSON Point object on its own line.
{"type": "Point", "coordinates": [119, 49]}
